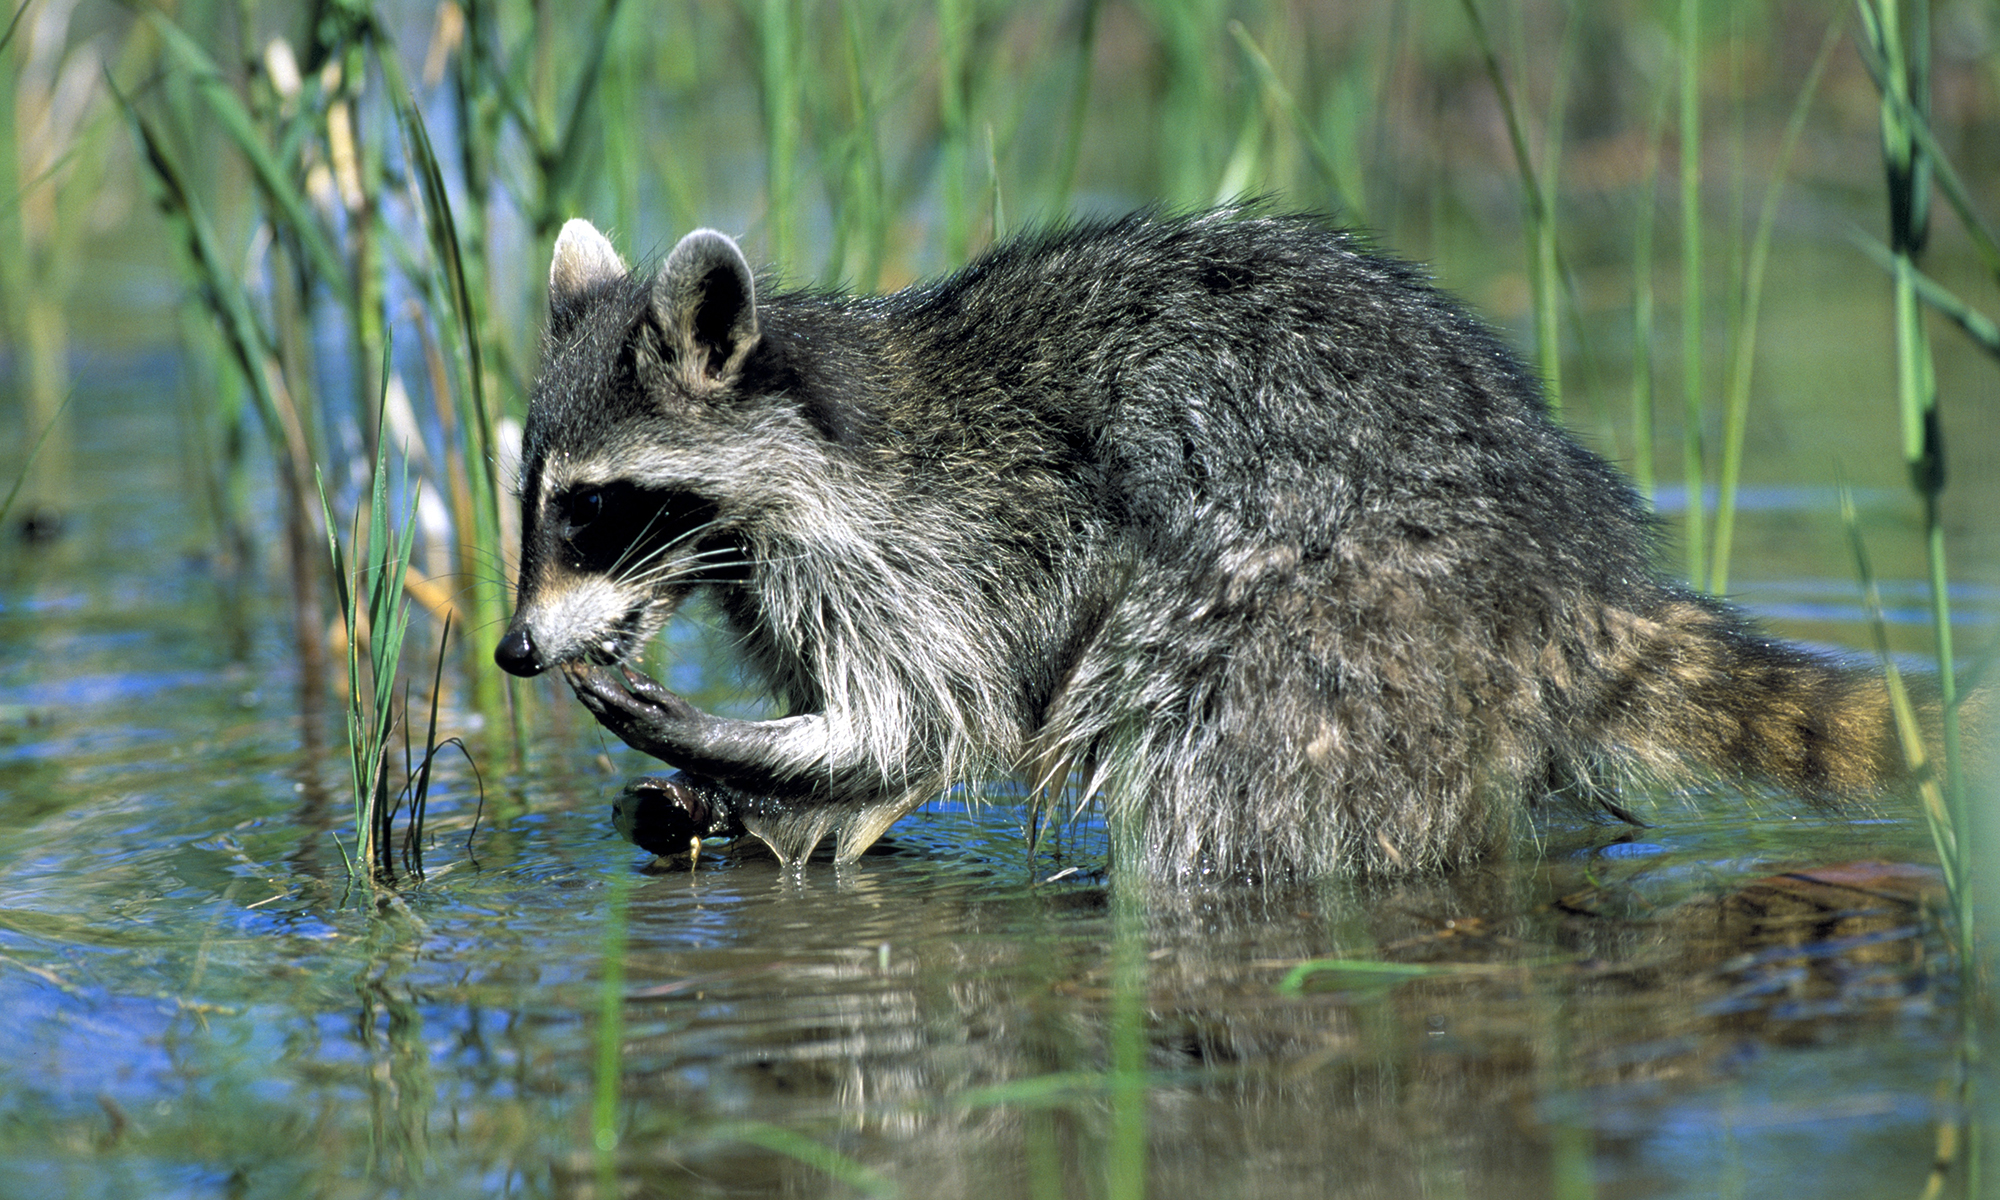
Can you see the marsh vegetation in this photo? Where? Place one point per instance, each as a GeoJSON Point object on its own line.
{"type": "Point", "coordinates": [272, 281]}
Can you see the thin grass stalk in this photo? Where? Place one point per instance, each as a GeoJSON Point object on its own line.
{"type": "Point", "coordinates": [1247, 158]}
{"type": "Point", "coordinates": [1693, 472]}
{"type": "Point", "coordinates": [1908, 175]}
{"type": "Point", "coordinates": [1982, 329]}
{"type": "Point", "coordinates": [476, 110]}
{"type": "Point", "coordinates": [1347, 197]}
{"type": "Point", "coordinates": [604, 1136]}
{"type": "Point", "coordinates": [1951, 839]}
{"type": "Point", "coordinates": [35, 452]}
{"type": "Point", "coordinates": [1542, 271]}
{"type": "Point", "coordinates": [357, 766]}
{"type": "Point", "coordinates": [1944, 176]}
{"type": "Point", "coordinates": [1643, 463]}
{"type": "Point", "coordinates": [1909, 731]}
{"type": "Point", "coordinates": [376, 613]}
{"type": "Point", "coordinates": [477, 455]}
{"type": "Point", "coordinates": [780, 34]}
{"type": "Point", "coordinates": [1904, 80]}
{"type": "Point", "coordinates": [1125, 1155]}
{"type": "Point", "coordinates": [288, 207]}
{"type": "Point", "coordinates": [420, 786]}
{"type": "Point", "coordinates": [954, 32]}
{"type": "Point", "coordinates": [566, 148]}
{"type": "Point", "coordinates": [50, 158]}
{"type": "Point", "coordinates": [255, 358]}
{"type": "Point", "coordinates": [355, 155]}
{"type": "Point", "coordinates": [863, 213]}
{"type": "Point", "coordinates": [1079, 105]}
{"type": "Point", "coordinates": [1743, 354]}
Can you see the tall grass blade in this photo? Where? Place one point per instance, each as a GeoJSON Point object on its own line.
{"type": "Point", "coordinates": [257, 361]}
{"type": "Point", "coordinates": [1904, 83]}
{"type": "Point", "coordinates": [1079, 104]}
{"type": "Point", "coordinates": [566, 164]}
{"type": "Point", "coordinates": [604, 1135]}
{"type": "Point", "coordinates": [275, 179]}
{"type": "Point", "coordinates": [1743, 356]}
{"type": "Point", "coordinates": [817, 1155]}
{"type": "Point", "coordinates": [42, 439]}
{"type": "Point", "coordinates": [780, 35]}
{"type": "Point", "coordinates": [14, 23]}
{"type": "Point", "coordinates": [1125, 1156]}
{"type": "Point", "coordinates": [1644, 467]}
{"type": "Point", "coordinates": [1938, 818]}
{"type": "Point", "coordinates": [420, 788]}
{"type": "Point", "coordinates": [954, 38]}
{"type": "Point", "coordinates": [1916, 123]}
{"type": "Point", "coordinates": [478, 517]}
{"type": "Point", "coordinates": [1542, 270]}
{"type": "Point", "coordinates": [863, 211]}
{"type": "Point", "coordinates": [1347, 197]}
{"type": "Point", "coordinates": [1693, 472]}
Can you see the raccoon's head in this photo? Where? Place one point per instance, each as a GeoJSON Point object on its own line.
{"type": "Point", "coordinates": [630, 459]}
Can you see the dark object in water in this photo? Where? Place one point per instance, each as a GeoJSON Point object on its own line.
{"type": "Point", "coordinates": [40, 526]}
{"type": "Point", "coordinates": [664, 813]}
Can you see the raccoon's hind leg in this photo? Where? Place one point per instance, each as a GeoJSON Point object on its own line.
{"type": "Point", "coordinates": [1279, 729]}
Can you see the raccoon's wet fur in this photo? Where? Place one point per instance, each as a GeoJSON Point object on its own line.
{"type": "Point", "coordinates": [1222, 518]}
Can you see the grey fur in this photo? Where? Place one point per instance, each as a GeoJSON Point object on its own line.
{"type": "Point", "coordinates": [1222, 517]}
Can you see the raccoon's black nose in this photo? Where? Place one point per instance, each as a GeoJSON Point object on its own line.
{"type": "Point", "coordinates": [516, 654]}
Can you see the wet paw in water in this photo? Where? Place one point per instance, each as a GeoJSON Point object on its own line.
{"type": "Point", "coordinates": [664, 814]}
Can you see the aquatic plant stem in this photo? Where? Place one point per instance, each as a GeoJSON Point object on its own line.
{"type": "Point", "coordinates": [604, 1134]}
{"type": "Point", "coordinates": [1743, 353]}
{"type": "Point", "coordinates": [1901, 68]}
{"type": "Point", "coordinates": [1644, 467]}
{"type": "Point", "coordinates": [1125, 1157]}
{"type": "Point", "coordinates": [1543, 274]}
{"type": "Point", "coordinates": [1693, 472]}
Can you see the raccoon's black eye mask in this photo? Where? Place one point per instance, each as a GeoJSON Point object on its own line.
{"type": "Point", "coordinates": [623, 529]}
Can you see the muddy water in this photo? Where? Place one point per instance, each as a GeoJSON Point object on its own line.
{"type": "Point", "coordinates": [200, 1003]}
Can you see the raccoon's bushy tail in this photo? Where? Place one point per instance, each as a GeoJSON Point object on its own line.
{"type": "Point", "coordinates": [1694, 688]}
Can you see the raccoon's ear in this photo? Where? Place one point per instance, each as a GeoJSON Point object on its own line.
{"type": "Point", "coordinates": [706, 304]}
{"type": "Point", "coordinates": [583, 263]}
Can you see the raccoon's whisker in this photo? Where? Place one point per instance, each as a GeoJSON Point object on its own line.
{"type": "Point", "coordinates": [625, 565]}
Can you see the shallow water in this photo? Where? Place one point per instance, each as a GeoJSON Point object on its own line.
{"type": "Point", "coordinates": [201, 1004]}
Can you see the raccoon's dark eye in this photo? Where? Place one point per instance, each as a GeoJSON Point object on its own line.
{"type": "Point", "coordinates": [579, 508]}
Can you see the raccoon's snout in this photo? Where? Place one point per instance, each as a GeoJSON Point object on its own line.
{"type": "Point", "coordinates": [517, 654]}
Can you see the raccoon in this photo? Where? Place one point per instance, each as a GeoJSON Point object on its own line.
{"type": "Point", "coordinates": [1222, 518]}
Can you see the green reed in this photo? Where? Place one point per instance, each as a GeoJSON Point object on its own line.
{"type": "Point", "coordinates": [604, 1135]}
{"type": "Point", "coordinates": [375, 616]}
{"type": "Point", "coordinates": [1543, 274]}
{"type": "Point", "coordinates": [1693, 473]}
{"type": "Point", "coordinates": [1743, 335]}
{"type": "Point", "coordinates": [1898, 59]}
{"type": "Point", "coordinates": [57, 128]}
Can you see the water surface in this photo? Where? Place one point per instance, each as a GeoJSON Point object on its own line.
{"type": "Point", "coordinates": [201, 1002]}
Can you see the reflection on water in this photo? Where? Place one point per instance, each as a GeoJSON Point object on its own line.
{"type": "Point", "coordinates": [186, 1009]}
{"type": "Point", "coordinates": [200, 1004]}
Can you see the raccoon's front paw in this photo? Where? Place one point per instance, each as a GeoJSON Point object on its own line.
{"type": "Point", "coordinates": [644, 715]}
